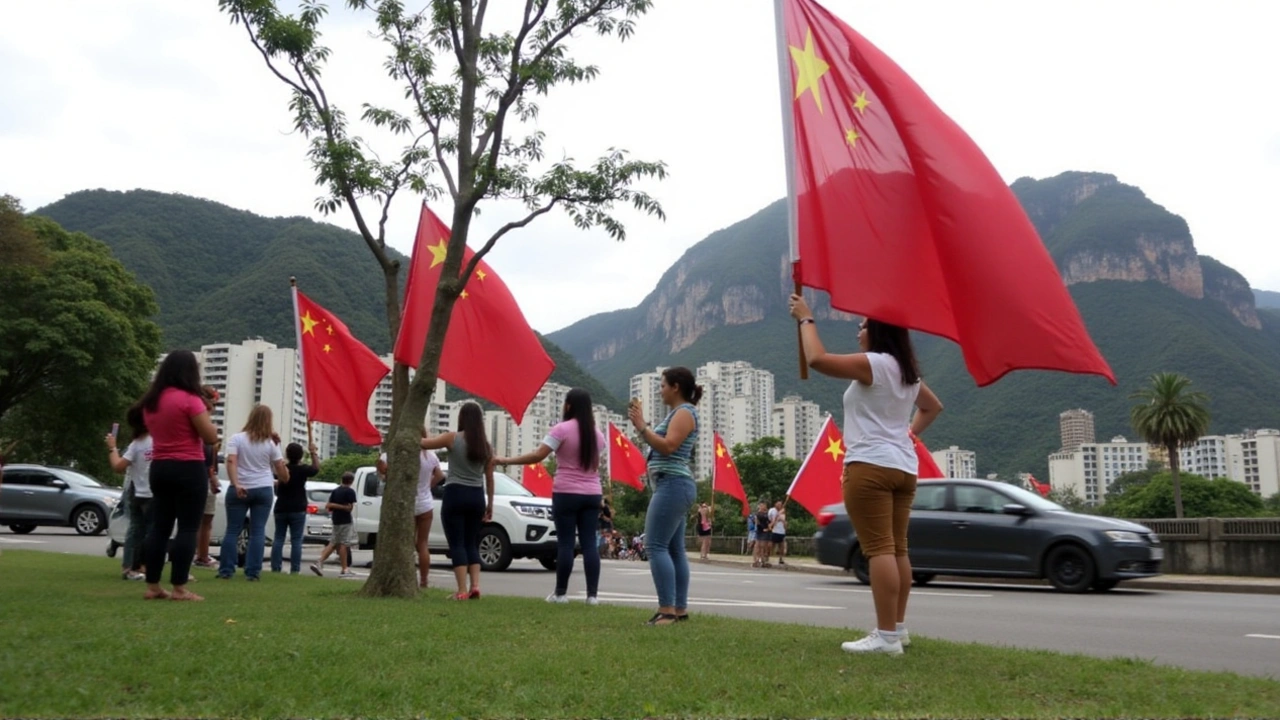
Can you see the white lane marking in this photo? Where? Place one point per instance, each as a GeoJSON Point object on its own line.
{"type": "Point", "coordinates": [716, 602]}
{"type": "Point", "coordinates": [1263, 637]}
{"type": "Point", "coordinates": [21, 541]}
{"type": "Point", "coordinates": [914, 593]}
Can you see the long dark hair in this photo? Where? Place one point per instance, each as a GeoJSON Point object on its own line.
{"type": "Point", "coordinates": [896, 341]}
{"type": "Point", "coordinates": [179, 369]}
{"type": "Point", "coordinates": [471, 425]}
{"type": "Point", "coordinates": [577, 406]}
{"type": "Point", "coordinates": [137, 424]}
{"type": "Point", "coordinates": [682, 378]}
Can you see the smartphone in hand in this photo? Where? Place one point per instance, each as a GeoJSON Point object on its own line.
{"type": "Point", "coordinates": [115, 429]}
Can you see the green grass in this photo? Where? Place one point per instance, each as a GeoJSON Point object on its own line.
{"type": "Point", "coordinates": [77, 642]}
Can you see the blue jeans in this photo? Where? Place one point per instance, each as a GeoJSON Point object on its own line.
{"type": "Point", "coordinates": [135, 538]}
{"type": "Point", "coordinates": [257, 504]}
{"type": "Point", "coordinates": [576, 518]}
{"type": "Point", "coordinates": [296, 524]}
{"type": "Point", "coordinates": [664, 526]}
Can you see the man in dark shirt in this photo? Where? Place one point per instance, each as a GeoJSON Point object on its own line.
{"type": "Point", "coordinates": [205, 532]}
{"type": "Point", "coordinates": [341, 502]}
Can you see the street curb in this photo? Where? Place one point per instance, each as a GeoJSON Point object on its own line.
{"type": "Point", "coordinates": [1154, 584]}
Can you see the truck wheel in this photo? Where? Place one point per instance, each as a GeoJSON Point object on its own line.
{"type": "Point", "coordinates": [495, 549]}
{"type": "Point", "coordinates": [548, 561]}
{"type": "Point", "coordinates": [860, 566]}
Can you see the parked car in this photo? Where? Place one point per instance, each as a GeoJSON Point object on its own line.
{"type": "Point", "coordinates": [982, 528]}
{"type": "Point", "coordinates": [35, 495]}
{"type": "Point", "coordinates": [522, 525]}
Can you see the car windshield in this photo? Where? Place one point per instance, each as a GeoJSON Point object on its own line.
{"type": "Point", "coordinates": [80, 479]}
{"type": "Point", "coordinates": [504, 484]}
{"type": "Point", "coordinates": [1030, 499]}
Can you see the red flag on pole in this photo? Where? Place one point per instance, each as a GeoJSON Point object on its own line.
{"type": "Point", "coordinates": [339, 374]}
{"type": "Point", "coordinates": [818, 482]}
{"type": "Point", "coordinates": [725, 477]}
{"type": "Point", "coordinates": [537, 480]}
{"type": "Point", "coordinates": [1043, 488]}
{"type": "Point", "coordinates": [899, 216]}
{"type": "Point", "coordinates": [626, 463]}
{"type": "Point", "coordinates": [489, 350]}
{"type": "Point", "coordinates": [928, 468]}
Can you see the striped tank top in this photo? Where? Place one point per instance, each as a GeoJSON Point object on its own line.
{"type": "Point", "coordinates": [679, 462]}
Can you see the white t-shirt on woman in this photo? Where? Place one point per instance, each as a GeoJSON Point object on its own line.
{"type": "Point", "coordinates": [254, 460]}
{"type": "Point", "coordinates": [877, 417]}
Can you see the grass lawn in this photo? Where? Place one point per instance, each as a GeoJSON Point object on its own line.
{"type": "Point", "coordinates": [75, 641]}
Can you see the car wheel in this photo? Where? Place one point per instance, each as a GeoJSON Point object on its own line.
{"type": "Point", "coordinates": [1070, 568]}
{"type": "Point", "coordinates": [22, 528]}
{"type": "Point", "coordinates": [923, 579]}
{"type": "Point", "coordinates": [495, 549]}
{"type": "Point", "coordinates": [88, 520]}
{"type": "Point", "coordinates": [548, 562]}
{"type": "Point", "coordinates": [1104, 585]}
{"type": "Point", "coordinates": [860, 566]}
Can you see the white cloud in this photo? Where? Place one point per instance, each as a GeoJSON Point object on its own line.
{"type": "Point", "coordinates": [1172, 96]}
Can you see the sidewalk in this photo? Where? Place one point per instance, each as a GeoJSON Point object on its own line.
{"type": "Point", "coordinates": [1200, 583]}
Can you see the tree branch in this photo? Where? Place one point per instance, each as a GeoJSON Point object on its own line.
{"type": "Point", "coordinates": [432, 126]}
{"type": "Point", "coordinates": [514, 225]}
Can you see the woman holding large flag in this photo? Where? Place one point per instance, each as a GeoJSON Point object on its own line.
{"type": "Point", "coordinates": [671, 446]}
{"type": "Point", "coordinates": [575, 491]}
{"type": "Point", "coordinates": [880, 468]}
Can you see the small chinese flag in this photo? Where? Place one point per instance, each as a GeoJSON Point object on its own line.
{"type": "Point", "coordinates": [489, 349]}
{"type": "Point", "coordinates": [537, 480]}
{"type": "Point", "coordinates": [928, 468]}
{"type": "Point", "coordinates": [818, 482]}
{"type": "Point", "coordinates": [1043, 488]}
{"type": "Point", "coordinates": [725, 477]}
{"type": "Point", "coordinates": [339, 374]}
{"type": "Point", "coordinates": [626, 463]}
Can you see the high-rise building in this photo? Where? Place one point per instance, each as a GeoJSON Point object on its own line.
{"type": "Point", "coordinates": [737, 402]}
{"type": "Point", "coordinates": [797, 421]}
{"type": "Point", "coordinates": [1091, 468]}
{"type": "Point", "coordinates": [647, 388]}
{"type": "Point", "coordinates": [1076, 427]}
{"type": "Point", "coordinates": [956, 463]}
{"type": "Point", "coordinates": [380, 403]}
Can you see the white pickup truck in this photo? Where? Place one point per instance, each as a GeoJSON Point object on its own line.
{"type": "Point", "coordinates": [522, 525]}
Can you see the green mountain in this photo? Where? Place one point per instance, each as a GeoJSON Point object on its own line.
{"type": "Point", "coordinates": [222, 275]}
{"type": "Point", "coordinates": [1150, 303]}
{"type": "Point", "coordinates": [1267, 299]}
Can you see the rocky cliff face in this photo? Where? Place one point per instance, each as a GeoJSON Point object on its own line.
{"type": "Point", "coordinates": [1229, 287]}
{"type": "Point", "coordinates": [1171, 261]}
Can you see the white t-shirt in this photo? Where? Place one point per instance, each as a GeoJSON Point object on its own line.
{"type": "Point", "coordinates": [877, 417]}
{"type": "Point", "coordinates": [139, 472]}
{"type": "Point", "coordinates": [427, 464]}
{"type": "Point", "coordinates": [254, 460]}
{"type": "Point", "coordinates": [779, 523]}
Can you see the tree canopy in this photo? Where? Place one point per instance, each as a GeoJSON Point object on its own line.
{"type": "Point", "coordinates": [1221, 498]}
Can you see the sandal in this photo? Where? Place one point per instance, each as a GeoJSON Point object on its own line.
{"type": "Point", "coordinates": [661, 618]}
{"type": "Point", "coordinates": [682, 618]}
{"type": "Point", "coordinates": [475, 594]}
{"type": "Point", "coordinates": [460, 596]}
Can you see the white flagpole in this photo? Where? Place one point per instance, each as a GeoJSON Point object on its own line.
{"type": "Point", "coordinates": [297, 328]}
{"type": "Point", "coordinates": [789, 155]}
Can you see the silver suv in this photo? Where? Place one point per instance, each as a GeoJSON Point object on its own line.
{"type": "Point", "coordinates": [35, 495]}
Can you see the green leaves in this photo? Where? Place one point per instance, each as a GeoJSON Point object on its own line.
{"type": "Point", "coordinates": [1168, 412]}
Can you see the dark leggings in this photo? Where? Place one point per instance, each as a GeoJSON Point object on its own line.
{"type": "Point", "coordinates": [179, 487]}
{"type": "Point", "coordinates": [576, 515]}
{"type": "Point", "coordinates": [463, 514]}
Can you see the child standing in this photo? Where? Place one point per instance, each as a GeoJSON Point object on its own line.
{"type": "Point", "coordinates": [135, 463]}
{"type": "Point", "coordinates": [341, 502]}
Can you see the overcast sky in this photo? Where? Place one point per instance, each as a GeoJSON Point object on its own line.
{"type": "Point", "coordinates": [1178, 98]}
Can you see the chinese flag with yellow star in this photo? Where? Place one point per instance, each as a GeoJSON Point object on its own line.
{"type": "Point", "coordinates": [537, 480]}
{"type": "Point", "coordinates": [489, 350]}
{"type": "Point", "coordinates": [900, 217]}
{"type": "Point", "coordinates": [817, 484]}
{"type": "Point", "coordinates": [725, 477]}
{"type": "Point", "coordinates": [626, 463]}
{"type": "Point", "coordinates": [339, 373]}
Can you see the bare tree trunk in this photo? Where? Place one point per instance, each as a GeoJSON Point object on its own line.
{"type": "Point", "coordinates": [1177, 482]}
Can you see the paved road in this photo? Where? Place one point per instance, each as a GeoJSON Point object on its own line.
{"type": "Point", "coordinates": [1200, 630]}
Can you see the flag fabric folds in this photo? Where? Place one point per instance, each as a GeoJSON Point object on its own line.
{"type": "Point", "coordinates": [339, 374]}
{"type": "Point", "coordinates": [928, 468]}
{"type": "Point", "coordinates": [490, 350]}
{"type": "Point", "coordinates": [817, 484]}
{"type": "Point", "coordinates": [1043, 488]}
{"type": "Point", "coordinates": [900, 217]}
{"type": "Point", "coordinates": [537, 480]}
{"type": "Point", "coordinates": [725, 477]}
{"type": "Point", "coordinates": [626, 463]}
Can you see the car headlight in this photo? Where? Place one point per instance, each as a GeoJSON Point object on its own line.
{"type": "Point", "coordinates": [110, 501]}
{"type": "Point", "coordinates": [542, 512]}
{"type": "Point", "coordinates": [1123, 536]}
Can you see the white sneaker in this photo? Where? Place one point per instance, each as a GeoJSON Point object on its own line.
{"type": "Point", "coordinates": [873, 643]}
{"type": "Point", "coordinates": [593, 600]}
{"type": "Point", "coordinates": [347, 575]}
{"type": "Point", "coordinates": [316, 569]}
{"type": "Point", "coordinates": [904, 637]}
{"type": "Point", "coordinates": [557, 599]}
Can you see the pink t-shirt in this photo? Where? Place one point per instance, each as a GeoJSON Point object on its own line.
{"type": "Point", "coordinates": [173, 437]}
{"type": "Point", "coordinates": [570, 477]}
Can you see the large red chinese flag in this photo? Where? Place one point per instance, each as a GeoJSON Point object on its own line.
{"type": "Point", "coordinates": [818, 482]}
{"type": "Point", "coordinates": [725, 478]}
{"type": "Point", "coordinates": [626, 463]}
{"type": "Point", "coordinates": [928, 468]}
{"type": "Point", "coordinates": [339, 374]}
{"type": "Point", "coordinates": [536, 480]}
{"type": "Point", "coordinates": [900, 217]}
{"type": "Point", "coordinates": [489, 350]}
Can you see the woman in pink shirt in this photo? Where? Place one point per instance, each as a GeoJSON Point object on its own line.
{"type": "Point", "coordinates": [178, 420]}
{"type": "Point", "coordinates": [575, 492]}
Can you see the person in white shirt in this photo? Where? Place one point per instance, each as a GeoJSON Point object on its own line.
{"type": "Point", "coordinates": [429, 476]}
{"type": "Point", "coordinates": [254, 463]}
{"type": "Point", "coordinates": [880, 469]}
{"type": "Point", "coordinates": [135, 463]}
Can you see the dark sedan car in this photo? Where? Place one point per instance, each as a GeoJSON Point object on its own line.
{"type": "Point", "coordinates": [991, 529]}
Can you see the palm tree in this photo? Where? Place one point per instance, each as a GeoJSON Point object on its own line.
{"type": "Point", "coordinates": [1170, 415]}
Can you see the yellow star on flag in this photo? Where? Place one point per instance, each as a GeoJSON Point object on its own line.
{"type": "Point", "coordinates": [438, 251]}
{"type": "Point", "coordinates": [327, 347]}
{"type": "Point", "coordinates": [834, 449]}
{"type": "Point", "coordinates": [861, 102]}
{"type": "Point", "coordinates": [809, 69]}
{"type": "Point", "coordinates": [308, 323]}
{"type": "Point", "coordinates": [329, 328]}
{"type": "Point", "coordinates": [719, 451]}
{"type": "Point", "coordinates": [480, 273]}
{"type": "Point", "coordinates": [465, 295]}
{"type": "Point", "coordinates": [851, 136]}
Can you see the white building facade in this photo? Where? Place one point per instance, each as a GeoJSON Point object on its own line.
{"type": "Point", "coordinates": [797, 421]}
{"type": "Point", "coordinates": [1251, 457]}
{"type": "Point", "coordinates": [1091, 468]}
{"type": "Point", "coordinates": [956, 463]}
